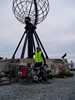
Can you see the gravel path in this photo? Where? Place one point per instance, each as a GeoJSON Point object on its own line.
{"type": "Point", "coordinates": [58, 89]}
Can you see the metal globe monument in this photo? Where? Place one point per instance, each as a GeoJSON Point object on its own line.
{"type": "Point", "coordinates": [30, 13]}
{"type": "Point", "coordinates": [25, 8]}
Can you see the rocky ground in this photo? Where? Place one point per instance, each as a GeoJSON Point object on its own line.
{"type": "Point", "coordinates": [57, 89]}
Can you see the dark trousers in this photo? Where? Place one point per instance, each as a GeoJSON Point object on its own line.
{"type": "Point", "coordinates": [39, 64]}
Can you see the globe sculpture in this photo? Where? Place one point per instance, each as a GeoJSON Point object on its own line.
{"type": "Point", "coordinates": [30, 13]}
{"type": "Point", "coordinates": [25, 8]}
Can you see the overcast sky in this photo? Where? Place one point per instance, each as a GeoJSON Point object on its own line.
{"type": "Point", "coordinates": [57, 31]}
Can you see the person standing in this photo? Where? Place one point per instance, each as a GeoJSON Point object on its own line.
{"type": "Point", "coordinates": [38, 57]}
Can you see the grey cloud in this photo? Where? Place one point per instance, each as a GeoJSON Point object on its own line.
{"type": "Point", "coordinates": [57, 50]}
{"type": "Point", "coordinates": [71, 28]}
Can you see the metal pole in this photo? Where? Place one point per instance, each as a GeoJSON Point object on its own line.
{"type": "Point", "coordinates": [41, 44]}
{"type": "Point", "coordinates": [24, 47]}
{"type": "Point", "coordinates": [13, 57]}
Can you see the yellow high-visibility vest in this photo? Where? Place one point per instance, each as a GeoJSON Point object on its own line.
{"type": "Point", "coordinates": [37, 57]}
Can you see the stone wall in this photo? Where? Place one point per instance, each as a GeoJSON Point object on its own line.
{"type": "Point", "coordinates": [55, 65]}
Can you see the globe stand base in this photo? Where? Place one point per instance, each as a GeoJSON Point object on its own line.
{"type": "Point", "coordinates": [29, 35]}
